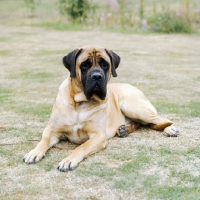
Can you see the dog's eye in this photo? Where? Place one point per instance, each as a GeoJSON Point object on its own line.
{"type": "Point", "coordinates": [85, 65]}
{"type": "Point", "coordinates": [104, 65]}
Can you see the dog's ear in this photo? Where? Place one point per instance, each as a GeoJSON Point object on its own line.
{"type": "Point", "coordinates": [69, 61]}
{"type": "Point", "coordinates": [115, 60]}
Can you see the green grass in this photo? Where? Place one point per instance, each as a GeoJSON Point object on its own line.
{"type": "Point", "coordinates": [186, 187]}
{"type": "Point", "coordinates": [36, 75]}
{"type": "Point", "coordinates": [172, 192]}
{"type": "Point", "coordinates": [191, 108]}
{"type": "Point", "coordinates": [31, 74]}
{"type": "Point", "coordinates": [52, 52]}
{"type": "Point", "coordinates": [194, 150]}
{"type": "Point", "coordinates": [21, 33]}
{"type": "Point", "coordinates": [3, 39]}
{"type": "Point", "coordinates": [197, 78]}
{"type": "Point", "coordinates": [47, 166]}
{"type": "Point", "coordinates": [124, 177]}
{"type": "Point", "coordinates": [129, 174]}
{"type": "Point", "coordinates": [5, 52]}
{"type": "Point", "coordinates": [5, 94]}
{"type": "Point", "coordinates": [61, 26]}
{"type": "Point", "coordinates": [9, 101]}
{"type": "Point", "coordinates": [40, 110]}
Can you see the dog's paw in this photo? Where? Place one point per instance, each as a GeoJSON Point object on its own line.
{"type": "Point", "coordinates": [122, 131]}
{"type": "Point", "coordinates": [67, 164]}
{"type": "Point", "coordinates": [171, 131]}
{"type": "Point", "coordinates": [33, 156]}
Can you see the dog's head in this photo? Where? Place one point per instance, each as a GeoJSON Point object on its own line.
{"type": "Point", "coordinates": [93, 66]}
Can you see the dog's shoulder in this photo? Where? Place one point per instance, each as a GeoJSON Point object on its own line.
{"type": "Point", "coordinates": [64, 85]}
{"type": "Point", "coordinates": [63, 98]}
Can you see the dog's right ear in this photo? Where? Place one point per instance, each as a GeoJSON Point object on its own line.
{"type": "Point", "coordinates": [69, 61]}
{"type": "Point", "coordinates": [115, 60]}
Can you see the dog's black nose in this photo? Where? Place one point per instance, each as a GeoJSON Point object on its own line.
{"type": "Point", "coordinates": [96, 76]}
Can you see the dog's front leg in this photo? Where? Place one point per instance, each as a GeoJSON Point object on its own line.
{"type": "Point", "coordinates": [95, 143]}
{"type": "Point", "coordinates": [49, 138]}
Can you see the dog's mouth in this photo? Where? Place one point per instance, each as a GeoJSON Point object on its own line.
{"type": "Point", "coordinates": [95, 87]}
{"type": "Point", "coordinates": [97, 91]}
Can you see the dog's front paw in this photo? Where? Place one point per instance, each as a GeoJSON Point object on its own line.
{"type": "Point", "coordinates": [171, 131]}
{"type": "Point", "coordinates": [67, 164]}
{"type": "Point", "coordinates": [33, 156]}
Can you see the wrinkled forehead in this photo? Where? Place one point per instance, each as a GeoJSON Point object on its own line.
{"type": "Point", "coordinates": [93, 53]}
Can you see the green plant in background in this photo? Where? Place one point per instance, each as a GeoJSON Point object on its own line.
{"type": "Point", "coordinates": [62, 5]}
{"type": "Point", "coordinates": [76, 9]}
{"type": "Point", "coordinates": [31, 5]}
{"type": "Point", "coordinates": [169, 22]}
{"type": "Point", "coordinates": [141, 9]}
{"type": "Point", "coordinates": [118, 15]}
{"type": "Point", "coordinates": [187, 8]}
{"type": "Point", "coordinates": [121, 12]}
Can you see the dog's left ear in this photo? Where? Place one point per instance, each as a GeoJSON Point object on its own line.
{"type": "Point", "coordinates": [115, 60]}
{"type": "Point", "coordinates": [69, 61]}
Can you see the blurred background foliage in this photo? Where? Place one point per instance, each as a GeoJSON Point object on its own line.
{"type": "Point", "coordinates": [171, 16]}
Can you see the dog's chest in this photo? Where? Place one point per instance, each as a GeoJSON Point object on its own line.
{"type": "Point", "coordinates": [76, 122]}
{"type": "Point", "coordinates": [82, 114]}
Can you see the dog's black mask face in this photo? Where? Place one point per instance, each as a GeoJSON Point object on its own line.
{"type": "Point", "coordinates": [94, 77]}
{"type": "Point", "coordinates": [93, 66]}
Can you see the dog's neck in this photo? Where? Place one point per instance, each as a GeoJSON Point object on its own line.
{"type": "Point", "coordinates": [80, 97]}
{"type": "Point", "coordinates": [75, 87]}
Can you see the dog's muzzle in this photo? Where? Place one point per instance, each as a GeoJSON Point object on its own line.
{"type": "Point", "coordinates": [96, 76]}
{"type": "Point", "coordinates": [95, 84]}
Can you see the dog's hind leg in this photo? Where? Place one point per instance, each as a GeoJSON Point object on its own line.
{"type": "Point", "coordinates": [159, 123]}
{"type": "Point", "coordinates": [136, 107]}
{"type": "Point", "coordinates": [127, 128]}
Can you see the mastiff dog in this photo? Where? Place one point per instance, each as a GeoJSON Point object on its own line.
{"type": "Point", "coordinates": [89, 110]}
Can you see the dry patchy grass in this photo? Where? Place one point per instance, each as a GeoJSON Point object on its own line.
{"type": "Point", "coordinates": [146, 165]}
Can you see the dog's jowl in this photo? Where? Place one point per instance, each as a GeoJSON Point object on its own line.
{"type": "Point", "coordinates": [88, 110]}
